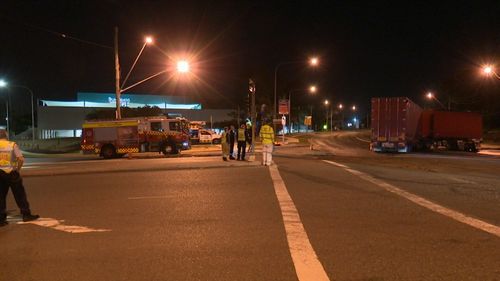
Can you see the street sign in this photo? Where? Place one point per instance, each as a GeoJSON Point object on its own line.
{"type": "Point", "coordinates": [283, 107]}
{"type": "Point", "coordinates": [308, 121]}
{"type": "Point", "coordinates": [277, 121]}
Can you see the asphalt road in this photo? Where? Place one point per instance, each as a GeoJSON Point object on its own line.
{"type": "Point", "coordinates": [200, 218]}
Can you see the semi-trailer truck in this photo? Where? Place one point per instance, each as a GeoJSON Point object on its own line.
{"type": "Point", "coordinates": [400, 125]}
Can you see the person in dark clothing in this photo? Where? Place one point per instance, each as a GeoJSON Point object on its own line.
{"type": "Point", "coordinates": [241, 136]}
{"type": "Point", "coordinates": [232, 138]}
{"type": "Point", "coordinates": [11, 162]}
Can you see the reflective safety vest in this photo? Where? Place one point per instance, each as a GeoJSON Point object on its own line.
{"type": "Point", "coordinates": [241, 134]}
{"type": "Point", "coordinates": [267, 134]}
{"type": "Point", "coordinates": [8, 161]}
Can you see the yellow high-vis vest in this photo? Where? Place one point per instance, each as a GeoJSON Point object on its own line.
{"type": "Point", "coordinates": [241, 134]}
{"type": "Point", "coordinates": [267, 134]}
{"type": "Point", "coordinates": [8, 161]}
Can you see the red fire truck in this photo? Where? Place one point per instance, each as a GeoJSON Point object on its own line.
{"type": "Point", "coordinates": [115, 138]}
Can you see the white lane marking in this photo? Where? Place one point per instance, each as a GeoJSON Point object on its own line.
{"type": "Point", "coordinates": [30, 167]}
{"type": "Point", "coordinates": [363, 140]}
{"type": "Point", "coordinates": [479, 224]}
{"type": "Point", "coordinates": [461, 180]}
{"type": "Point", "coordinates": [147, 197]}
{"type": "Point", "coordinates": [57, 225]}
{"type": "Point", "coordinates": [307, 265]}
{"type": "Point", "coordinates": [490, 152]}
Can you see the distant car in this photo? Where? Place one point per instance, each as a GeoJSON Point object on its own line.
{"type": "Point", "coordinates": [207, 136]}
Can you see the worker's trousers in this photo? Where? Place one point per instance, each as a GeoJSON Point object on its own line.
{"type": "Point", "coordinates": [15, 182]}
{"type": "Point", "coordinates": [267, 154]}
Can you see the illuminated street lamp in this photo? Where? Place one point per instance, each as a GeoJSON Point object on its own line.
{"type": "Point", "coordinates": [314, 61]}
{"type": "Point", "coordinates": [329, 112]}
{"type": "Point", "coordinates": [431, 96]}
{"type": "Point", "coordinates": [147, 41]}
{"type": "Point", "coordinates": [489, 70]}
{"type": "Point", "coordinates": [353, 108]}
{"type": "Point", "coordinates": [183, 66]}
{"type": "Point", "coordinates": [312, 90]}
{"type": "Point", "coordinates": [4, 84]}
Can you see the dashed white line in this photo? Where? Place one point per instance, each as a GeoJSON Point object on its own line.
{"type": "Point", "coordinates": [476, 223]}
{"type": "Point", "coordinates": [307, 265]}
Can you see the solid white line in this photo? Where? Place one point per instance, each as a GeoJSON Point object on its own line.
{"type": "Point", "coordinates": [147, 197]}
{"type": "Point", "coordinates": [57, 225]}
{"type": "Point", "coordinates": [479, 224]}
{"type": "Point", "coordinates": [307, 265]}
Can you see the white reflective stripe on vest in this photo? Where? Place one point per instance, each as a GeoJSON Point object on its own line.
{"type": "Point", "coordinates": [7, 159]}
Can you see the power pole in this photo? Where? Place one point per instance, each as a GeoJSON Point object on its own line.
{"type": "Point", "coordinates": [117, 77]}
{"type": "Point", "coordinates": [251, 89]}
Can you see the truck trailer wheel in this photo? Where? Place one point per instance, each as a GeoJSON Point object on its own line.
{"type": "Point", "coordinates": [108, 151]}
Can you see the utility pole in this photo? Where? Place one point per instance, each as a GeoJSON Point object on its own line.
{"type": "Point", "coordinates": [117, 77]}
{"type": "Point", "coordinates": [252, 89]}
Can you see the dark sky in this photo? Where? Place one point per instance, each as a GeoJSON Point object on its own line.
{"type": "Point", "coordinates": [398, 48]}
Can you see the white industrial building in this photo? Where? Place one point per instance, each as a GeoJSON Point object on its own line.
{"type": "Point", "coordinates": [65, 118]}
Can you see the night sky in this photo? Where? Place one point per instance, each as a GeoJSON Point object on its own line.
{"type": "Point", "coordinates": [366, 50]}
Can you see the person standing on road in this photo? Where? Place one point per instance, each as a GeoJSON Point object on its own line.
{"type": "Point", "coordinates": [267, 137]}
{"type": "Point", "coordinates": [11, 162]}
{"type": "Point", "coordinates": [241, 136]}
{"type": "Point", "coordinates": [224, 141]}
{"type": "Point", "coordinates": [232, 138]}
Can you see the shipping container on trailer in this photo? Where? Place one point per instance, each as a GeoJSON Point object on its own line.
{"type": "Point", "coordinates": [454, 130]}
{"type": "Point", "coordinates": [394, 124]}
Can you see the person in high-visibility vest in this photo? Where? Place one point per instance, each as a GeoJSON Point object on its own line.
{"type": "Point", "coordinates": [11, 162]}
{"type": "Point", "coordinates": [224, 141]}
{"type": "Point", "coordinates": [267, 137]}
{"type": "Point", "coordinates": [241, 137]}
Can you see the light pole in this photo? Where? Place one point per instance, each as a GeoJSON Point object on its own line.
{"type": "Point", "coordinates": [312, 90]}
{"type": "Point", "coordinates": [353, 108]}
{"type": "Point", "coordinates": [327, 102]}
{"type": "Point", "coordinates": [313, 62]}
{"type": "Point", "coordinates": [4, 84]}
{"type": "Point", "coordinates": [431, 96]}
{"type": "Point", "coordinates": [119, 88]}
{"type": "Point", "coordinates": [341, 109]}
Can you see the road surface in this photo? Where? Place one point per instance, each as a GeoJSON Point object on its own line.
{"type": "Point", "coordinates": [336, 212]}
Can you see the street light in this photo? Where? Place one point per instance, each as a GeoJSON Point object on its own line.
{"type": "Point", "coordinates": [353, 108]}
{"type": "Point", "coordinates": [314, 61]}
{"type": "Point", "coordinates": [341, 107]}
{"type": "Point", "coordinates": [183, 66]}
{"type": "Point", "coordinates": [489, 70]}
{"type": "Point", "coordinates": [148, 40]}
{"type": "Point", "coordinates": [4, 84]}
{"type": "Point", "coordinates": [312, 89]}
{"type": "Point", "coordinates": [431, 96]}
